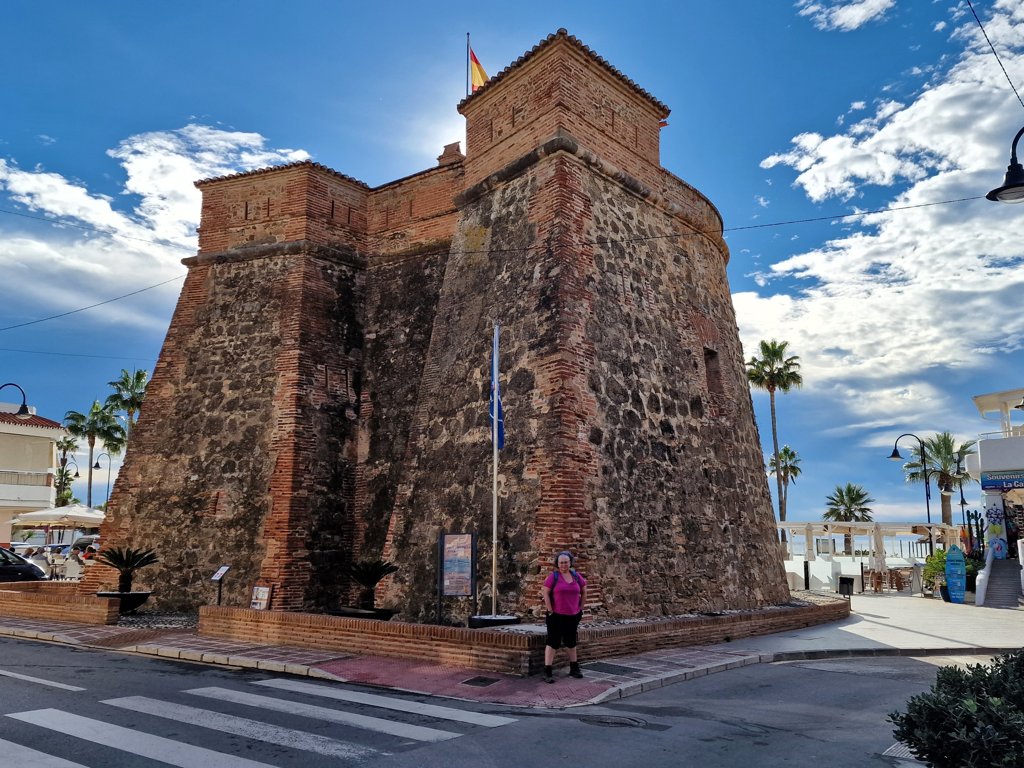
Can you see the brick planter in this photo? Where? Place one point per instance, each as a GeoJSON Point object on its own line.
{"type": "Point", "coordinates": [515, 652]}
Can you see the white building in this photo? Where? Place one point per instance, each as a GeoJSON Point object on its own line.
{"type": "Point", "coordinates": [28, 459]}
{"type": "Point", "coordinates": [999, 461]}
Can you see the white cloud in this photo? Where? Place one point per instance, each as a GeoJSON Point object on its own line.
{"type": "Point", "coordinates": [843, 16]}
{"type": "Point", "coordinates": [939, 27]}
{"type": "Point", "coordinates": [98, 246]}
{"type": "Point", "coordinates": [762, 201]}
{"type": "Point", "coordinates": [898, 301]}
{"type": "Point", "coordinates": [44, 139]}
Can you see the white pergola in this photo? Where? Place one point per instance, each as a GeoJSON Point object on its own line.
{"type": "Point", "coordinates": [876, 533]}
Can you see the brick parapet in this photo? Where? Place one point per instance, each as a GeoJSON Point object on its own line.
{"type": "Point", "coordinates": [560, 87]}
{"type": "Point", "coordinates": [301, 201]}
{"type": "Point", "coordinates": [510, 652]}
{"type": "Point", "coordinates": [51, 601]}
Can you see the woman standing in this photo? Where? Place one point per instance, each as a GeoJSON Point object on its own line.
{"type": "Point", "coordinates": [565, 592]}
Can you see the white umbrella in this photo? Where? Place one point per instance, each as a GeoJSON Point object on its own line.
{"type": "Point", "coordinates": [76, 514]}
{"type": "Point", "coordinates": [879, 547]}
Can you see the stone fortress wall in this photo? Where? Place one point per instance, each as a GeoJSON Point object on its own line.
{"type": "Point", "coordinates": [322, 393]}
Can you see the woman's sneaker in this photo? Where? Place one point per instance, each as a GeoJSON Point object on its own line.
{"type": "Point", "coordinates": [574, 669]}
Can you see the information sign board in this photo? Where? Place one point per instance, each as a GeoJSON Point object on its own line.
{"type": "Point", "coordinates": [457, 565]}
{"type": "Point", "coordinates": [956, 574]}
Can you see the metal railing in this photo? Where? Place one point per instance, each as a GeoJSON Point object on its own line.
{"type": "Point", "coordinates": [1015, 431]}
{"type": "Point", "coordinates": [8, 477]}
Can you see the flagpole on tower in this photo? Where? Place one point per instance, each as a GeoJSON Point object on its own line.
{"type": "Point", "coordinates": [496, 418]}
{"type": "Point", "coordinates": [468, 75]}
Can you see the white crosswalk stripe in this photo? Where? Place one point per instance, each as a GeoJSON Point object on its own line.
{"type": "Point", "coordinates": [387, 702]}
{"type": "Point", "coordinates": [404, 730]}
{"type": "Point", "coordinates": [15, 754]}
{"type": "Point", "coordinates": [242, 726]}
{"type": "Point", "coordinates": [41, 681]}
{"type": "Point", "coordinates": [155, 747]}
{"type": "Point", "coordinates": [178, 749]}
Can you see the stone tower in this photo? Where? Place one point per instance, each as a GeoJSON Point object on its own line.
{"type": "Point", "coordinates": [322, 393]}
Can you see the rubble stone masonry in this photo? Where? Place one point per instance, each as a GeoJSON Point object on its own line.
{"type": "Point", "coordinates": [322, 393]}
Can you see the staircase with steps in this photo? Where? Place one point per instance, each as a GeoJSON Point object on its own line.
{"type": "Point", "coordinates": [1003, 585]}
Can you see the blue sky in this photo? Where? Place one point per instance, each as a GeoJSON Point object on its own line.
{"type": "Point", "coordinates": [780, 111]}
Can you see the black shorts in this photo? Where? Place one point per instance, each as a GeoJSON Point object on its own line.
{"type": "Point", "coordinates": [562, 629]}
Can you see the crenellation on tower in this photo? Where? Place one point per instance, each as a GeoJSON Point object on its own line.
{"type": "Point", "coordinates": [561, 86]}
{"type": "Point", "coordinates": [300, 201]}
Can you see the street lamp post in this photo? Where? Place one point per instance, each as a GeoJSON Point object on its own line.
{"type": "Point", "coordinates": [97, 466]}
{"type": "Point", "coordinates": [1012, 190]}
{"type": "Point", "coordinates": [895, 456]}
{"type": "Point", "coordinates": [23, 412]}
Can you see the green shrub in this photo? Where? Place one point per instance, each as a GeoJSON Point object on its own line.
{"type": "Point", "coordinates": [971, 718]}
{"type": "Point", "coordinates": [934, 572]}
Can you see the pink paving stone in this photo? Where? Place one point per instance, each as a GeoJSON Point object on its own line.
{"type": "Point", "coordinates": [437, 680]}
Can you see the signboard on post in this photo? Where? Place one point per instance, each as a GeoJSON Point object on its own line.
{"type": "Point", "coordinates": [457, 556]}
{"type": "Point", "coordinates": [956, 574]}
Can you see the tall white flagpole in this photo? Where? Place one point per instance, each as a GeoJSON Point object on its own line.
{"type": "Point", "coordinates": [495, 394]}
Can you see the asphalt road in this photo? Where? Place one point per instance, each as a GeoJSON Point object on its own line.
{"type": "Point", "coordinates": [108, 710]}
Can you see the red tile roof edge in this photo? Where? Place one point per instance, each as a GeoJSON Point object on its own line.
{"type": "Point", "coordinates": [32, 421]}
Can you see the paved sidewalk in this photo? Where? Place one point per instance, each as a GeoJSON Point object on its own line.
{"type": "Point", "coordinates": [884, 624]}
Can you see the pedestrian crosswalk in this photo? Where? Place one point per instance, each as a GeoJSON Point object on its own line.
{"type": "Point", "coordinates": [268, 721]}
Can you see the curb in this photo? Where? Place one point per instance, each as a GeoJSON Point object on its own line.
{"type": "Point", "coordinates": [615, 692]}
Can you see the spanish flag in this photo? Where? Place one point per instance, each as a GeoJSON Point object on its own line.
{"type": "Point", "coordinates": [477, 74]}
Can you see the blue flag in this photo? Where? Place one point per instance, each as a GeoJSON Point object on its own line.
{"type": "Point", "coordinates": [494, 407]}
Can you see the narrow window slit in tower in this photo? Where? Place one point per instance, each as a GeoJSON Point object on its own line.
{"type": "Point", "coordinates": [332, 210]}
{"type": "Point", "coordinates": [712, 371]}
{"type": "Point", "coordinates": [246, 210]}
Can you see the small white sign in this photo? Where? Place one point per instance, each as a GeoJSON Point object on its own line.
{"type": "Point", "coordinates": [260, 598]}
{"type": "Point", "coordinates": [220, 573]}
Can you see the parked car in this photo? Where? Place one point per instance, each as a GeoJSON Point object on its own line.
{"type": "Point", "coordinates": [16, 568]}
{"type": "Point", "coordinates": [86, 541]}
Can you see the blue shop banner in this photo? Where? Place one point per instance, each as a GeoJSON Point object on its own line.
{"type": "Point", "coordinates": [1002, 481]}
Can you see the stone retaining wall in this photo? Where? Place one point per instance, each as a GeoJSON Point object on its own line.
{"type": "Point", "coordinates": [517, 653]}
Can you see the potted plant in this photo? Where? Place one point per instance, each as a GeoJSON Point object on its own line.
{"type": "Point", "coordinates": [127, 560]}
{"type": "Point", "coordinates": [934, 574]}
{"type": "Point", "coordinates": [367, 574]}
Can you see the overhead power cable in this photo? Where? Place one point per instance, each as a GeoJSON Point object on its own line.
{"type": "Point", "coordinates": [1007, 75]}
{"type": "Point", "coordinates": [91, 306]}
{"type": "Point", "coordinates": [527, 249]}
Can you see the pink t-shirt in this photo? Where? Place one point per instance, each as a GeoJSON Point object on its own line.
{"type": "Point", "coordinates": [565, 596]}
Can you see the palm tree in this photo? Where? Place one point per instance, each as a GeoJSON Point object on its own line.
{"type": "Point", "coordinates": [129, 392]}
{"type": "Point", "coordinates": [62, 485]}
{"type": "Point", "coordinates": [943, 460]}
{"type": "Point", "coordinates": [848, 504]}
{"type": "Point", "coordinates": [101, 423]}
{"type": "Point", "coordinates": [788, 468]}
{"type": "Point", "coordinates": [127, 561]}
{"type": "Point", "coordinates": [772, 372]}
{"type": "Point", "coordinates": [367, 573]}
{"type": "Point", "coordinates": [62, 480]}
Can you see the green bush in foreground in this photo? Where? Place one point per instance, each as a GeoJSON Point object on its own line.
{"type": "Point", "coordinates": [971, 718]}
